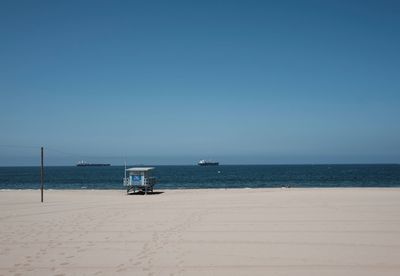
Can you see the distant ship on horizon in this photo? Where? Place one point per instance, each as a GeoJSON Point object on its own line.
{"type": "Point", "coordinates": [207, 163]}
{"type": "Point", "coordinates": [86, 164]}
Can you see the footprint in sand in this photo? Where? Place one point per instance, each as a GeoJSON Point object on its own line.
{"type": "Point", "coordinates": [121, 267]}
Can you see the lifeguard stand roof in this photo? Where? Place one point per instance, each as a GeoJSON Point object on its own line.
{"type": "Point", "coordinates": [146, 169]}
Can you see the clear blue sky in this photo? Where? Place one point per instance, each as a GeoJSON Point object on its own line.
{"type": "Point", "coordinates": [172, 82]}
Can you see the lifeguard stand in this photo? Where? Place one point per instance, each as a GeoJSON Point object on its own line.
{"type": "Point", "coordinates": [139, 179]}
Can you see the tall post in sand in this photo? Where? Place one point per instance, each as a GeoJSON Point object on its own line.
{"type": "Point", "coordinates": [125, 172]}
{"type": "Point", "coordinates": [41, 174]}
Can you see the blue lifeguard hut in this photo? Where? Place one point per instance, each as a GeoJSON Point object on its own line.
{"type": "Point", "coordinates": [139, 179]}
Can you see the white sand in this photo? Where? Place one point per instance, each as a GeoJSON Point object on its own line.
{"type": "Point", "coordinates": [201, 232]}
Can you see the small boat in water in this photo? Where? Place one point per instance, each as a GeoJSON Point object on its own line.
{"type": "Point", "coordinates": [207, 163]}
{"type": "Point", "coordinates": [86, 164]}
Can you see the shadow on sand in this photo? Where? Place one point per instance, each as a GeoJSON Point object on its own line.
{"type": "Point", "coordinates": [148, 193]}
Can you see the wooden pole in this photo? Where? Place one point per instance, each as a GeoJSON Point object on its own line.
{"type": "Point", "coordinates": [41, 174]}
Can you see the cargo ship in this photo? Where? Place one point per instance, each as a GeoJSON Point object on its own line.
{"type": "Point", "coordinates": [86, 164]}
{"type": "Point", "coordinates": [207, 163]}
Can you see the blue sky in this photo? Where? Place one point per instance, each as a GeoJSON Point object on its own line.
{"type": "Point", "coordinates": [172, 82]}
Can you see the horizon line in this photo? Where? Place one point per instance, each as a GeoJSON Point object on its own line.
{"type": "Point", "coordinates": [195, 165]}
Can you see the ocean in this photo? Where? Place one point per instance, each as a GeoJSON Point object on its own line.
{"type": "Point", "coordinates": [196, 177]}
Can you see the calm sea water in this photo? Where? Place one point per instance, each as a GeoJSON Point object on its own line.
{"type": "Point", "coordinates": [188, 177]}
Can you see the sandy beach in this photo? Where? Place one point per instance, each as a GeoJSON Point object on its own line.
{"type": "Point", "coordinates": [347, 231]}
